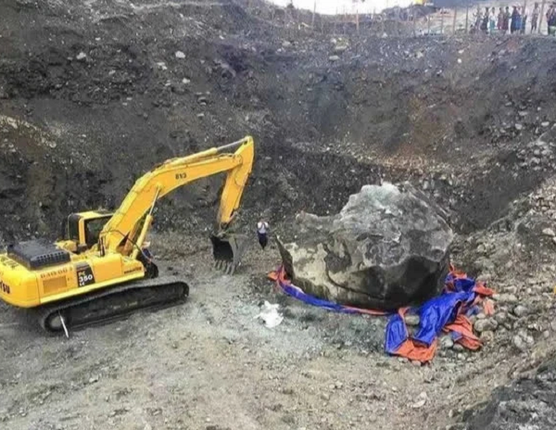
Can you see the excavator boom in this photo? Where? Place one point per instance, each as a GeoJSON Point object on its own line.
{"type": "Point", "coordinates": [121, 231]}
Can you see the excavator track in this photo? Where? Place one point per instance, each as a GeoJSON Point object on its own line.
{"type": "Point", "coordinates": [114, 303]}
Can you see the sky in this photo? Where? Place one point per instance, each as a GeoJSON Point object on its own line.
{"type": "Point", "coordinates": [341, 6]}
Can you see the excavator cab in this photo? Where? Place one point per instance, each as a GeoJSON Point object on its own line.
{"type": "Point", "coordinates": [83, 229]}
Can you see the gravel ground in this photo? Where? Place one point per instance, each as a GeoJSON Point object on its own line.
{"type": "Point", "coordinates": [209, 364]}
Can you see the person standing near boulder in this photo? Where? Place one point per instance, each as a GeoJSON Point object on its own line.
{"type": "Point", "coordinates": [262, 233]}
{"type": "Point", "coordinates": [478, 19]}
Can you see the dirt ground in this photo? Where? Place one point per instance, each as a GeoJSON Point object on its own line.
{"type": "Point", "coordinates": [93, 93]}
{"type": "Point", "coordinates": [209, 364]}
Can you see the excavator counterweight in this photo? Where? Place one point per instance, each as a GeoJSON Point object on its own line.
{"type": "Point", "coordinates": [102, 270]}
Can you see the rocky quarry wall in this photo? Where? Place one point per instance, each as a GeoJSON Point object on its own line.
{"type": "Point", "coordinates": [103, 92]}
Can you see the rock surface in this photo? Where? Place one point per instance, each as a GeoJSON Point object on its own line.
{"type": "Point", "coordinates": [528, 403]}
{"type": "Point", "coordinates": [388, 247]}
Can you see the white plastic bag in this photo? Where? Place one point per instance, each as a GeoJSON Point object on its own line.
{"type": "Point", "coordinates": [270, 315]}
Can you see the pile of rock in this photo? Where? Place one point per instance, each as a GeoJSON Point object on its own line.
{"type": "Point", "coordinates": [543, 201]}
{"type": "Point", "coordinates": [538, 155]}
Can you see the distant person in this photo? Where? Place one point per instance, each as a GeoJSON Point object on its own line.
{"type": "Point", "coordinates": [523, 21]}
{"type": "Point", "coordinates": [500, 20]}
{"type": "Point", "coordinates": [535, 18]}
{"type": "Point", "coordinates": [484, 22]}
{"type": "Point", "coordinates": [516, 21]}
{"type": "Point", "coordinates": [478, 19]}
{"type": "Point", "coordinates": [262, 233]}
{"type": "Point", "coordinates": [492, 21]}
{"type": "Point", "coordinates": [506, 21]}
{"type": "Point", "coordinates": [551, 20]}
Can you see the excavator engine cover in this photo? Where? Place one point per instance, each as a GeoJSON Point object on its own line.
{"type": "Point", "coordinates": [228, 250]}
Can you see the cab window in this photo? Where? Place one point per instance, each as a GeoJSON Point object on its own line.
{"type": "Point", "coordinates": [93, 228]}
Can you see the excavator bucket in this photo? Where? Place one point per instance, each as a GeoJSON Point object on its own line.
{"type": "Point", "coordinates": [227, 251]}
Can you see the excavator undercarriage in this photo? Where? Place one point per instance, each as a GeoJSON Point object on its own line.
{"type": "Point", "coordinates": [121, 301]}
{"type": "Point", "coordinates": [113, 304]}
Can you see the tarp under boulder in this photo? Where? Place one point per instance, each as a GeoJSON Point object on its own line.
{"type": "Point", "coordinates": [387, 248]}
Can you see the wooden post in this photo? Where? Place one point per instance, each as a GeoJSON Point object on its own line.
{"type": "Point", "coordinates": [357, 18]}
{"type": "Point", "coordinates": [314, 13]}
{"type": "Point", "coordinates": [345, 21]}
{"type": "Point", "coordinates": [467, 19]}
{"type": "Point", "coordinates": [541, 16]}
{"type": "Point", "coordinates": [383, 19]}
{"type": "Point", "coordinates": [399, 21]}
{"type": "Point", "coordinates": [523, 14]}
{"type": "Point", "coordinates": [298, 21]}
{"type": "Point", "coordinates": [441, 20]}
{"type": "Point", "coordinates": [414, 23]}
{"type": "Point", "coordinates": [455, 21]}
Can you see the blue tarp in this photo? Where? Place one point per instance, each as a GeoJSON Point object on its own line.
{"type": "Point", "coordinates": [396, 334]}
{"type": "Point", "coordinates": [310, 300]}
{"type": "Point", "coordinates": [433, 315]}
{"type": "Point", "coordinates": [438, 312]}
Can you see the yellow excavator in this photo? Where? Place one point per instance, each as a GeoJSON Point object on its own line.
{"type": "Point", "coordinates": [101, 270]}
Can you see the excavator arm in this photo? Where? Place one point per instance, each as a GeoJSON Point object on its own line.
{"type": "Point", "coordinates": [127, 228]}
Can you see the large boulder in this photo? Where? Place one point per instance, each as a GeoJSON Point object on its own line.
{"type": "Point", "coordinates": [387, 248]}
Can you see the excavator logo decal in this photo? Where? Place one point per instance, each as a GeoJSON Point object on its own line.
{"type": "Point", "coordinates": [85, 275]}
{"type": "Point", "coordinates": [4, 287]}
{"type": "Point", "coordinates": [181, 176]}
